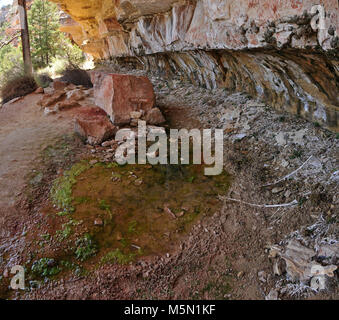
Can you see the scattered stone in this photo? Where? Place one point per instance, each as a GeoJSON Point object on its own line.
{"type": "Point", "coordinates": [93, 162]}
{"type": "Point", "coordinates": [281, 139]}
{"type": "Point", "coordinates": [273, 295]}
{"type": "Point", "coordinates": [48, 90]}
{"type": "Point", "coordinates": [285, 163]}
{"type": "Point", "coordinates": [136, 114]}
{"type": "Point", "coordinates": [5, 273]}
{"type": "Point", "coordinates": [138, 182]}
{"type": "Point", "coordinates": [180, 214]}
{"type": "Point", "coordinates": [119, 236]}
{"type": "Point", "coordinates": [40, 90]}
{"type": "Point", "coordinates": [108, 143]}
{"type": "Point", "coordinates": [287, 194]}
{"type": "Point", "coordinates": [48, 111]}
{"type": "Point", "coordinates": [262, 276]}
{"type": "Point", "coordinates": [239, 137]}
{"type": "Point", "coordinates": [155, 117]}
{"type": "Point", "coordinates": [277, 190]}
{"type": "Point", "coordinates": [240, 274]}
{"type": "Point", "coordinates": [98, 222]}
{"type": "Point", "coordinates": [168, 211]}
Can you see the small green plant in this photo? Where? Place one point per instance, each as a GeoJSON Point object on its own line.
{"type": "Point", "coordinates": [86, 247]}
{"type": "Point", "coordinates": [132, 227]}
{"type": "Point", "coordinates": [72, 266]}
{"type": "Point", "coordinates": [103, 205]}
{"type": "Point", "coordinates": [296, 154]}
{"type": "Point", "coordinates": [65, 232]}
{"type": "Point", "coordinates": [191, 179]}
{"type": "Point", "coordinates": [46, 236]}
{"type": "Point", "coordinates": [317, 124]}
{"type": "Point", "coordinates": [61, 192]}
{"type": "Point", "coordinates": [45, 267]}
{"type": "Point", "coordinates": [81, 200]}
{"type": "Point", "coordinates": [119, 257]}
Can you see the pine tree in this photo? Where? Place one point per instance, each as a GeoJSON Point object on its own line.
{"type": "Point", "coordinates": [44, 32]}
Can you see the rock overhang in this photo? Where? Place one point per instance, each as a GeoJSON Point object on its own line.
{"type": "Point", "coordinates": [266, 48]}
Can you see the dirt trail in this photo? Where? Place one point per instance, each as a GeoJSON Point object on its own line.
{"type": "Point", "coordinates": [24, 133]}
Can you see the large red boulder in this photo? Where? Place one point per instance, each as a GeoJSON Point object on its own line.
{"type": "Point", "coordinates": [93, 124]}
{"type": "Point", "coordinates": [120, 94]}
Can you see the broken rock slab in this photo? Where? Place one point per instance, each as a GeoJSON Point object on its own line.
{"type": "Point", "coordinates": [120, 94]}
{"type": "Point", "coordinates": [93, 125]}
{"type": "Point", "coordinates": [300, 262]}
{"type": "Point", "coordinates": [51, 99]}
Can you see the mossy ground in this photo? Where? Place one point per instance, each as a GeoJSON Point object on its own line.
{"type": "Point", "coordinates": [115, 214]}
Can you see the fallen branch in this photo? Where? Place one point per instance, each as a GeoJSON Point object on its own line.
{"type": "Point", "coordinates": [6, 43]}
{"type": "Point", "coordinates": [289, 175]}
{"type": "Point", "coordinates": [291, 204]}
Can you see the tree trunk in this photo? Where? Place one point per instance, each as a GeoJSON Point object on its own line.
{"type": "Point", "coordinates": [25, 37]}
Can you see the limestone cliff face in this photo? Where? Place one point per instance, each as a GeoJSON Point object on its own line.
{"type": "Point", "coordinates": [269, 48]}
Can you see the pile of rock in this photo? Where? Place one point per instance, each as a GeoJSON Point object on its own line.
{"type": "Point", "coordinates": [126, 98]}
{"type": "Point", "coordinates": [61, 95]}
{"type": "Point", "coordinates": [116, 100]}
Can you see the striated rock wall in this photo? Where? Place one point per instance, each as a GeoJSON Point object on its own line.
{"type": "Point", "coordinates": [283, 51]}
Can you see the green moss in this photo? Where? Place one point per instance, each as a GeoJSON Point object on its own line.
{"type": "Point", "coordinates": [64, 233]}
{"type": "Point", "coordinates": [81, 200]}
{"type": "Point", "coordinates": [218, 289]}
{"type": "Point", "coordinates": [103, 205]}
{"type": "Point", "coordinates": [86, 247]}
{"type": "Point", "coordinates": [45, 267]}
{"type": "Point", "coordinates": [61, 192]}
{"type": "Point", "coordinates": [67, 229]}
{"type": "Point", "coordinates": [46, 236]}
{"type": "Point", "coordinates": [117, 256]}
{"type": "Point", "coordinates": [78, 270]}
{"type": "Point", "coordinates": [132, 227]}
